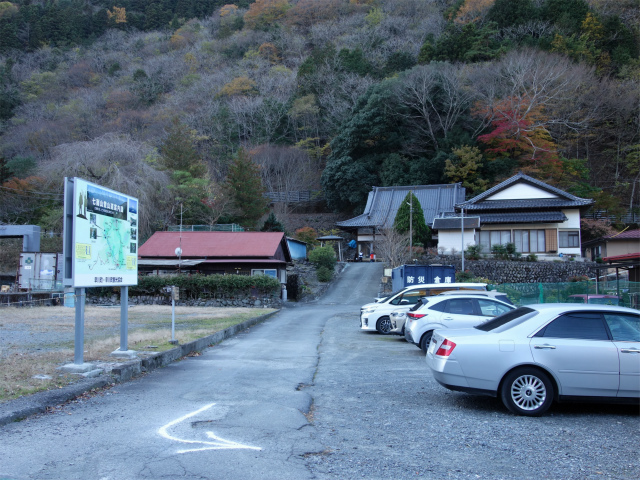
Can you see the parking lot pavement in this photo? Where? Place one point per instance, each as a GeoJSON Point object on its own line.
{"type": "Point", "coordinates": [380, 414]}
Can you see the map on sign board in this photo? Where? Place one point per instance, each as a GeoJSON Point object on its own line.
{"type": "Point", "coordinates": [105, 237]}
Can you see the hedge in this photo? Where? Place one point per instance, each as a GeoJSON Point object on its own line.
{"type": "Point", "coordinates": [204, 286]}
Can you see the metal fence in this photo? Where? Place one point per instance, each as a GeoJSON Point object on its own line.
{"type": "Point", "coordinates": [220, 227]}
{"type": "Point", "coordinates": [622, 293]}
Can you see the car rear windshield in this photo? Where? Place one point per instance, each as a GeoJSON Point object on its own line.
{"type": "Point", "coordinates": [509, 319]}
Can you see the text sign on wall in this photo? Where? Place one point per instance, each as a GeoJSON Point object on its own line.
{"type": "Point", "coordinates": [105, 236]}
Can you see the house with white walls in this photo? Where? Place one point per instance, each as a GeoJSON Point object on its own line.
{"type": "Point", "coordinates": [538, 218]}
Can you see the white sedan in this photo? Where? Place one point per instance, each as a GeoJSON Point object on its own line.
{"type": "Point", "coordinates": [538, 354]}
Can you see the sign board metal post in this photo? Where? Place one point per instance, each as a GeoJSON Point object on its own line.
{"type": "Point", "coordinates": [78, 351]}
{"type": "Point", "coordinates": [124, 318]}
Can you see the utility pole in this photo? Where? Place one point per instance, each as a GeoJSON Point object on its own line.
{"type": "Point", "coordinates": [462, 235]}
{"type": "Point", "coordinates": [411, 225]}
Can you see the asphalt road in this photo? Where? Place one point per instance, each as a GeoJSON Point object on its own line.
{"type": "Point", "coordinates": [307, 395]}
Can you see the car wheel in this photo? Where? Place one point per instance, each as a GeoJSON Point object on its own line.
{"type": "Point", "coordinates": [425, 341]}
{"type": "Point", "coordinates": [527, 391]}
{"type": "Point", "coordinates": [384, 325]}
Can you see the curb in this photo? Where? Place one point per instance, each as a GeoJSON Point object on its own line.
{"type": "Point", "coordinates": [23, 407]}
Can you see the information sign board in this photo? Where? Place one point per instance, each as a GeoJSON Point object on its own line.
{"type": "Point", "coordinates": [103, 225]}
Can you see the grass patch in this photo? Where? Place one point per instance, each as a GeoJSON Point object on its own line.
{"type": "Point", "coordinates": [40, 339]}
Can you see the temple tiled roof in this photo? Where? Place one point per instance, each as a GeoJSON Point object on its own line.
{"type": "Point", "coordinates": [383, 203]}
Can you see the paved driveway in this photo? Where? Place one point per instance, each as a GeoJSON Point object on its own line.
{"type": "Point", "coordinates": [307, 395]}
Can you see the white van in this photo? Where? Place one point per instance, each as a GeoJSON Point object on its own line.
{"type": "Point", "coordinates": [375, 316]}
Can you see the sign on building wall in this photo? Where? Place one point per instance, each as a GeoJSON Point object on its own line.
{"type": "Point", "coordinates": [100, 236]}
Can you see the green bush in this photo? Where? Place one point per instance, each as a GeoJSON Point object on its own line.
{"type": "Point", "coordinates": [499, 251]}
{"type": "Point", "coordinates": [324, 274]}
{"type": "Point", "coordinates": [473, 252]}
{"type": "Point", "coordinates": [532, 257]}
{"type": "Point", "coordinates": [207, 286]}
{"type": "Point", "coordinates": [323, 257]}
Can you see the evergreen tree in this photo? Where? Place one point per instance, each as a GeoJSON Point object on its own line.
{"type": "Point", "coordinates": [272, 224]}
{"type": "Point", "coordinates": [404, 220]}
{"type": "Point", "coordinates": [189, 174]}
{"type": "Point", "coordinates": [247, 190]}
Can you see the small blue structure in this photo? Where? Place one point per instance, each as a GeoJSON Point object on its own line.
{"type": "Point", "coordinates": [297, 248]}
{"type": "Point", "coordinates": [407, 275]}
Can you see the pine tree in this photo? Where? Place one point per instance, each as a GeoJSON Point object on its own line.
{"type": "Point", "coordinates": [421, 232]}
{"type": "Point", "coordinates": [247, 190]}
{"type": "Point", "coordinates": [272, 224]}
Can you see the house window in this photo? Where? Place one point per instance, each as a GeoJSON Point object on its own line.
{"type": "Point", "coordinates": [489, 238]}
{"type": "Point", "coordinates": [570, 239]}
{"type": "Point", "coordinates": [271, 272]}
{"type": "Point", "coordinates": [529, 241]}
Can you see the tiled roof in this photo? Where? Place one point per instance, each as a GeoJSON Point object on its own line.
{"type": "Point", "coordinates": [448, 223]}
{"type": "Point", "coordinates": [215, 245]}
{"type": "Point", "coordinates": [536, 203]}
{"type": "Point", "coordinates": [626, 235]}
{"type": "Point", "coordinates": [383, 204]}
{"type": "Point", "coordinates": [565, 200]}
{"type": "Point", "coordinates": [453, 223]}
{"type": "Point", "coordinates": [522, 217]}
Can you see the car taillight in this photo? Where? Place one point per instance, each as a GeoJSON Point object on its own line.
{"type": "Point", "coordinates": [446, 348]}
{"type": "Point", "coordinates": [416, 315]}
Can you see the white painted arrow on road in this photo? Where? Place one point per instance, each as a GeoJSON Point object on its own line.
{"type": "Point", "coordinates": [218, 444]}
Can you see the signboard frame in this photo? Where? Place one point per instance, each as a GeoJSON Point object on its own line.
{"type": "Point", "coordinates": [100, 236]}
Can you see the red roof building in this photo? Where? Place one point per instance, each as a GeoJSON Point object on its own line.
{"type": "Point", "coordinates": [241, 253]}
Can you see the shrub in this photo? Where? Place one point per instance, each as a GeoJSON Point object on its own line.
{"type": "Point", "coordinates": [464, 276]}
{"type": "Point", "coordinates": [473, 252]}
{"type": "Point", "coordinates": [499, 251]}
{"type": "Point", "coordinates": [206, 286]}
{"type": "Point", "coordinates": [579, 278]}
{"type": "Point", "coordinates": [323, 257]}
{"type": "Point", "coordinates": [324, 274]}
{"type": "Point", "coordinates": [532, 257]}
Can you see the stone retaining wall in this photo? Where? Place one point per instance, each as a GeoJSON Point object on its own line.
{"type": "Point", "coordinates": [503, 271]}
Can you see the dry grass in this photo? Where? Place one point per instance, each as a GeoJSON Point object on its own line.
{"type": "Point", "coordinates": [40, 339]}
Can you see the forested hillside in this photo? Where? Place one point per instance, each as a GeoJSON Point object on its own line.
{"type": "Point", "coordinates": [198, 107]}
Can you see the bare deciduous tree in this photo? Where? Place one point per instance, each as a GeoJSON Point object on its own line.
{"type": "Point", "coordinates": [392, 247]}
{"type": "Point", "coordinates": [435, 98]}
{"type": "Point", "coordinates": [119, 163]}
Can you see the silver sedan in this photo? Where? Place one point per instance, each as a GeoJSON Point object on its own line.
{"type": "Point", "coordinates": [538, 354]}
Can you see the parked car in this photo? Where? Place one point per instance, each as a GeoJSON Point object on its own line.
{"type": "Point", "coordinates": [375, 316]}
{"type": "Point", "coordinates": [597, 299]}
{"type": "Point", "coordinates": [491, 294]}
{"type": "Point", "coordinates": [444, 311]}
{"type": "Point", "coordinates": [398, 318]}
{"type": "Point", "coordinates": [538, 354]}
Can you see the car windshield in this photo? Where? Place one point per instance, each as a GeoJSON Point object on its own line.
{"type": "Point", "coordinates": [508, 320]}
{"type": "Point", "coordinates": [387, 297]}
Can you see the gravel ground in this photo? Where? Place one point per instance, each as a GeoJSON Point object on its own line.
{"type": "Point", "coordinates": [382, 415]}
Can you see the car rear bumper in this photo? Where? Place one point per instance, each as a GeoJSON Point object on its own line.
{"type": "Point", "coordinates": [459, 388]}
